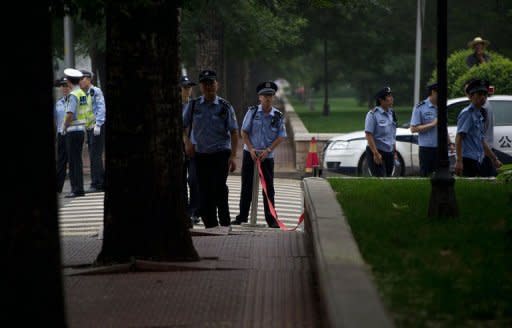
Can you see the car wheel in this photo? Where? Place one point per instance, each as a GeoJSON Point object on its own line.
{"type": "Point", "coordinates": [363, 169]}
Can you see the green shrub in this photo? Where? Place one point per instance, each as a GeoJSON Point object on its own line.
{"type": "Point", "coordinates": [498, 71]}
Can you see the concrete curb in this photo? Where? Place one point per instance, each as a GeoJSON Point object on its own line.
{"type": "Point", "coordinates": [348, 293]}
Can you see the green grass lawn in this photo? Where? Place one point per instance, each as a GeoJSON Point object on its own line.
{"type": "Point", "coordinates": [435, 272]}
{"type": "Point", "coordinates": [346, 115]}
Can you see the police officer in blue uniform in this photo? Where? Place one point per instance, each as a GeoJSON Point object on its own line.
{"type": "Point", "coordinates": [380, 130]}
{"type": "Point", "coordinates": [470, 142]}
{"type": "Point", "coordinates": [213, 142]}
{"type": "Point", "coordinates": [95, 132]}
{"type": "Point", "coordinates": [263, 129]}
{"type": "Point", "coordinates": [59, 112]}
{"type": "Point", "coordinates": [189, 169]}
{"type": "Point", "coordinates": [74, 129]}
{"type": "Point", "coordinates": [424, 122]}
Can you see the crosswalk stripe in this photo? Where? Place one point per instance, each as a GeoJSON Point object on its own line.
{"type": "Point", "coordinates": [84, 215]}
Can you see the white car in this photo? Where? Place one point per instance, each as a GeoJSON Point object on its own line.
{"type": "Point", "coordinates": [346, 153]}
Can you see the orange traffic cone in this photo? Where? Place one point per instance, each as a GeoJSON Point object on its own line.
{"type": "Point", "coordinates": [312, 159]}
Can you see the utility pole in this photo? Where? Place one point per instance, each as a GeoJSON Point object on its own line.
{"type": "Point", "coordinates": [442, 197]}
{"type": "Point", "coordinates": [69, 51]}
{"type": "Point", "coordinates": [420, 14]}
{"type": "Point", "coordinates": [326, 110]}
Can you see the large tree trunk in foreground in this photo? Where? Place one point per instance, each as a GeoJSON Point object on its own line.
{"type": "Point", "coordinates": [144, 201]}
{"type": "Point", "coordinates": [30, 236]}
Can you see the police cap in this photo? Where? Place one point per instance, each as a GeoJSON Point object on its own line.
{"type": "Point", "coordinates": [267, 88]}
{"type": "Point", "coordinates": [207, 75]}
{"type": "Point", "coordinates": [86, 73]}
{"type": "Point", "coordinates": [186, 82]}
{"type": "Point", "coordinates": [71, 72]}
{"type": "Point", "coordinates": [478, 85]}
{"type": "Point", "coordinates": [60, 82]}
{"type": "Point", "coordinates": [432, 86]}
{"type": "Point", "coordinates": [382, 93]}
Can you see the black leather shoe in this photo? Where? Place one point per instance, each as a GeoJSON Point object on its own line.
{"type": "Point", "coordinates": [73, 195]}
{"type": "Point", "coordinates": [236, 222]}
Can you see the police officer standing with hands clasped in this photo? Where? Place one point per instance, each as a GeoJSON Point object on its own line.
{"type": "Point", "coordinates": [95, 126]}
{"type": "Point", "coordinates": [263, 129]}
{"type": "Point", "coordinates": [380, 130]}
{"type": "Point", "coordinates": [213, 142]}
{"type": "Point", "coordinates": [470, 142]}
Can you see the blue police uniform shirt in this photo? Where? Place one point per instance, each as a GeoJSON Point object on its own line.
{"type": "Point", "coordinates": [59, 112]}
{"type": "Point", "coordinates": [471, 122]}
{"type": "Point", "coordinates": [98, 105]}
{"type": "Point", "coordinates": [211, 124]}
{"type": "Point", "coordinates": [263, 128]}
{"type": "Point", "coordinates": [381, 125]}
{"type": "Point", "coordinates": [423, 113]}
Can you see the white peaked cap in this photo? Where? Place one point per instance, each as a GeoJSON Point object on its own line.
{"type": "Point", "coordinates": [71, 72]}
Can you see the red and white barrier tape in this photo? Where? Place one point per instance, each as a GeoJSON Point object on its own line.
{"type": "Point", "coordinates": [282, 226]}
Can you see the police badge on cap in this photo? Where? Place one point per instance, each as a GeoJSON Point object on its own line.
{"type": "Point", "coordinates": [267, 88]}
{"type": "Point", "coordinates": [207, 75]}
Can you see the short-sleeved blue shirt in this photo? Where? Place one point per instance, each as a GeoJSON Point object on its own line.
{"type": "Point", "coordinates": [470, 122]}
{"type": "Point", "coordinates": [59, 112]}
{"type": "Point", "coordinates": [211, 124]}
{"type": "Point", "coordinates": [383, 128]}
{"type": "Point", "coordinates": [424, 113]}
{"type": "Point", "coordinates": [263, 128]}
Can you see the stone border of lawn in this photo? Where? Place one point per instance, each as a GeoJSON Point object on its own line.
{"type": "Point", "coordinates": [348, 293]}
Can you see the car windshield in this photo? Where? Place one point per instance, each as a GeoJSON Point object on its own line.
{"type": "Point", "coordinates": [502, 112]}
{"type": "Point", "coordinates": [454, 110]}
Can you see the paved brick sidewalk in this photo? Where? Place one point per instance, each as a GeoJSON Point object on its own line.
{"type": "Point", "coordinates": [249, 279]}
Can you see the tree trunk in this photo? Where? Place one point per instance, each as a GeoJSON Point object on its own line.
{"type": "Point", "coordinates": [144, 201]}
{"type": "Point", "coordinates": [210, 46]}
{"type": "Point", "coordinates": [30, 235]}
{"type": "Point", "coordinates": [237, 91]}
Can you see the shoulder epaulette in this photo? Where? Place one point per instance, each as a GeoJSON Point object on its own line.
{"type": "Point", "coordinates": [278, 113]}
{"type": "Point", "coordinates": [373, 110]}
{"type": "Point", "coordinates": [420, 103]}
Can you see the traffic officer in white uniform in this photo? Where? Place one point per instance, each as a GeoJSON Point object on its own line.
{"type": "Point", "coordinates": [74, 129]}
{"type": "Point", "coordinates": [95, 127]}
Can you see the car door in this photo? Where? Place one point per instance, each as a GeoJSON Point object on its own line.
{"type": "Point", "coordinates": [502, 145]}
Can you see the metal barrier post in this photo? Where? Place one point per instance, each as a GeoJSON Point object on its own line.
{"type": "Point", "coordinates": [255, 194]}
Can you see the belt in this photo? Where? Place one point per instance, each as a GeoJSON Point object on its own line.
{"type": "Point", "coordinates": [73, 128]}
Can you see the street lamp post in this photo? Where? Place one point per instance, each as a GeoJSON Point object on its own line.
{"type": "Point", "coordinates": [442, 197]}
{"type": "Point", "coordinates": [326, 110]}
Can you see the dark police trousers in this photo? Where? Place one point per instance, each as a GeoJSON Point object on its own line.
{"type": "Point", "coordinates": [267, 167]}
{"type": "Point", "coordinates": [74, 146]}
{"type": "Point", "coordinates": [428, 160]}
{"type": "Point", "coordinates": [190, 180]}
{"type": "Point", "coordinates": [384, 169]}
{"type": "Point", "coordinates": [95, 144]}
{"type": "Point", "coordinates": [212, 174]}
{"type": "Point", "coordinates": [62, 161]}
{"type": "Point", "coordinates": [470, 167]}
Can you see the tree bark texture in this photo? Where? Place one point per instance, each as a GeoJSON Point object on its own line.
{"type": "Point", "coordinates": [144, 201]}
{"type": "Point", "coordinates": [210, 45]}
{"type": "Point", "coordinates": [30, 235]}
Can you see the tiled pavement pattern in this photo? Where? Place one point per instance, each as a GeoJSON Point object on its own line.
{"type": "Point", "coordinates": [249, 279]}
{"type": "Point", "coordinates": [84, 215]}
